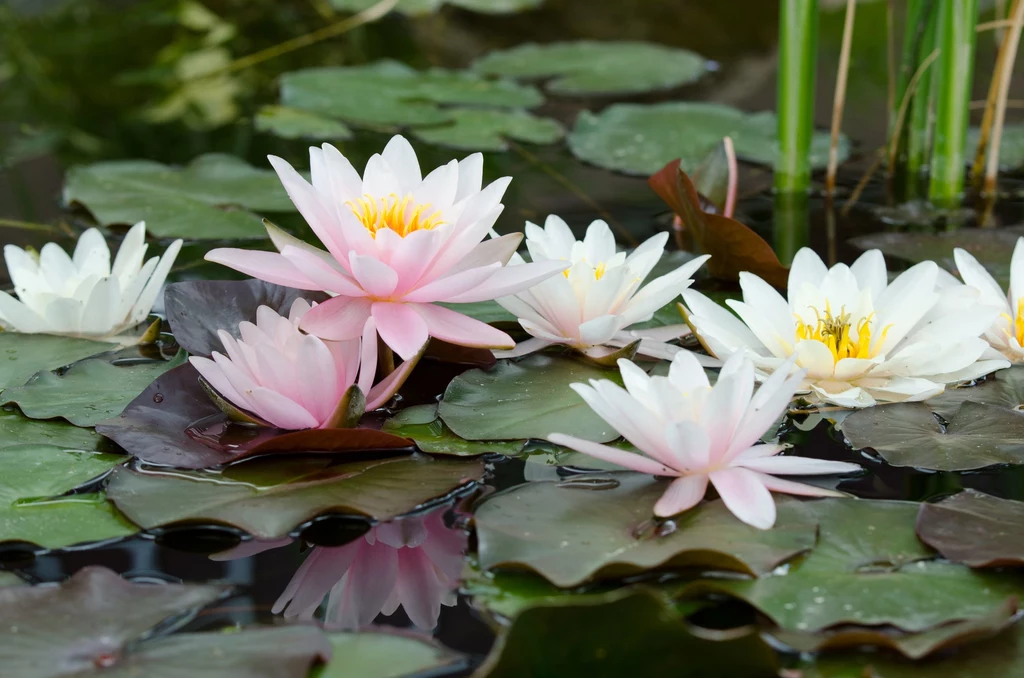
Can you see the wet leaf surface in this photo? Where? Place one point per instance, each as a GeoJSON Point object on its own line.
{"type": "Point", "coordinates": [88, 392]}
{"type": "Point", "coordinates": [386, 654]}
{"type": "Point", "coordinates": [1004, 388]}
{"type": "Point", "coordinates": [593, 67]}
{"type": "Point", "coordinates": [485, 311]}
{"type": "Point", "coordinates": [270, 498]}
{"type": "Point", "coordinates": [421, 424]}
{"type": "Point", "coordinates": [197, 309]}
{"type": "Point", "coordinates": [975, 529]}
{"type": "Point", "coordinates": [427, 6]}
{"type": "Point", "coordinates": [17, 430]}
{"type": "Point", "coordinates": [482, 130]}
{"type": "Point", "coordinates": [45, 471]}
{"type": "Point", "coordinates": [199, 201]}
{"type": "Point", "coordinates": [641, 138]}
{"type": "Point", "coordinates": [908, 434]}
{"type": "Point", "coordinates": [391, 93]}
{"type": "Point", "coordinates": [292, 123]}
{"type": "Point", "coordinates": [64, 521]}
{"type": "Point", "coordinates": [601, 526]}
{"type": "Point", "coordinates": [869, 569]}
{"type": "Point", "coordinates": [633, 631]}
{"type": "Point", "coordinates": [27, 354]}
{"type": "Point", "coordinates": [529, 398]}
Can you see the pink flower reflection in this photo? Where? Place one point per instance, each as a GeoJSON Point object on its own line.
{"type": "Point", "coordinates": [413, 562]}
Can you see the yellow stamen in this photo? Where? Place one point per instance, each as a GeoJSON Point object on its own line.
{"type": "Point", "coordinates": [835, 332]}
{"type": "Point", "coordinates": [1016, 323]}
{"type": "Point", "coordinates": [394, 213]}
{"type": "Point", "coordinates": [599, 271]}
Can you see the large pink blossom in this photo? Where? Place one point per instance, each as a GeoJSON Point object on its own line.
{"type": "Point", "coordinates": [397, 243]}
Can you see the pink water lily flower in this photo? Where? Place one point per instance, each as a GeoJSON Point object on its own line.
{"type": "Point", "coordinates": [294, 380]}
{"type": "Point", "coordinates": [397, 243]}
{"type": "Point", "coordinates": [700, 433]}
{"type": "Point", "coordinates": [412, 562]}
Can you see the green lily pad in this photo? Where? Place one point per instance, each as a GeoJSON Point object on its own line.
{"type": "Point", "coordinates": [200, 201]}
{"type": "Point", "coordinates": [430, 6]}
{"type": "Point", "coordinates": [64, 521]}
{"type": "Point", "coordinates": [422, 425]}
{"type": "Point", "coordinates": [601, 527]}
{"type": "Point", "coordinates": [990, 246]}
{"type": "Point", "coordinates": [293, 123]}
{"type": "Point", "coordinates": [594, 67]}
{"type": "Point", "coordinates": [88, 392]}
{"type": "Point", "coordinates": [378, 654]}
{"type": "Point", "coordinates": [485, 311]}
{"type": "Point", "coordinates": [475, 129]}
{"type": "Point", "coordinates": [869, 569]}
{"type": "Point", "coordinates": [530, 398]}
{"type": "Point", "coordinates": [8, 579]}
{"type": "Point", "coordinates": [642, 138]}
{"type": "Point", "coordinates": [269, 498]}
{"type": "Point", "coordinates": [1004, 388]}
{"type": "Point", "coordinates": [1011, 146]}
{"type": "Point", "coordinates": [392, 94]}
{"type": "Point", "coordinates": [31, 353]}
{"type": "Point", "coordinates": [975, 529]}
{"type": "Point", "coordinates": [632, 631]}
{"type": "Point", "coordinates": [32, 471]}
{"type": "Point", "coordinates": [17, 430]}
{"type": "Point", "coordinates": [91, 625]}
{"type": "Point", "coordinates": [908, 434]}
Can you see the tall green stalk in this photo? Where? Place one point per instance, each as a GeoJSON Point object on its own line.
{"type": "Point", "coordinates": [955, 35]}
{"type": "Point", "coordinates": [920, 119]}
{"type": "Point", "coordinates": [798, 43]}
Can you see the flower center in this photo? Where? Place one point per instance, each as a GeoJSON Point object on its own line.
{"type": "Point", "coordinates": [599, 270]}
{"type": "Point", "coordinates": [838, 334]}
{"type": "Point", "coordinates": [394, 213]}
{"type": "Point", "coordinates": [1016, 323]}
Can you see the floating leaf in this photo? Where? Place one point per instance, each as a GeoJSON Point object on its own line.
{"type": "Point", "coordinates": [475, 129]}
{"type": "Point", "coordinates": [429, 6]}
{"type": "Point", "coordinates": [292, 123]}
{"type": "Point", "coordinates": [632, 631]}
{"type": "Point", "coordinates": [869, 569]}
{"type": "Point", "coordinates": [484, 311]}
{"type": "Point", "coordinates": [197, 309]}
{"type": "Point", "coordinates": [17, 430]}
{"type": "Point", "coordinates": [88, 392]}
{"type": "Point", "coordinates": [28, 354]}
{"type": "Point", "coordinates": [192, 202]}
{"type": "Point", "coordinates": [91, 624]}
{"type": "Point", "coordinates": [61, 522]}
{"type": "Point", "coordinates": [908, 434]}
{"type": "Point", "coordinates": [975, 529]}
{"type": "Point", "coordinates": [422, 425]}
{"type": "Point", "coordinates": [1004, 388]}
{"type": "Point", "coordinates": [530, 398]}
{"type": "Point", "coordinates": [393, 94]}
{"type": "Point", "coordinates": [990, 246]}
{"type": "Point", "coordinates": [379, 654]}
{"type": "Point", "coordinates": [45, 471]}
{"type": "Point", "coordinates": [602, 527]}
{"type": "Point", "coordinates": [594, 67]}
{"type": "Point", "coordinates": [641, 138]}
{"type": "Point", "coordinates": [285, 498]}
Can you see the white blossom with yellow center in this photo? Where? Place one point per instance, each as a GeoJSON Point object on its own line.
{"type": "Point", "coordinates": [1006, 333]}
{"type": "Point", "coordinates": [861, 339]}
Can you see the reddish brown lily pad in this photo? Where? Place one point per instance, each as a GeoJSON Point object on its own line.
{"type": "Point", "coordinates": [975, 529]}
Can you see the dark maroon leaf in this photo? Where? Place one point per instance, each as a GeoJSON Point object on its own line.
{"type": "Point", "coordinates": [975, 529]}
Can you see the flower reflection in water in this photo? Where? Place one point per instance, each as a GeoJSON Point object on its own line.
{"type": "Point", "coordinates": [413, 562]}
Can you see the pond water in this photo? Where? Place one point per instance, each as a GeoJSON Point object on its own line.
{"type": "Point", "coordinates": [169, 81]}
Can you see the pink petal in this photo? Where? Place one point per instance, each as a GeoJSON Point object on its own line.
{"type": "Point", "coordinates": [745, 494]}
{"type": "Point", "coordinates": [419, 588]}
{"type": "Point", "coordinates": [801, 489]}
{"type": "Point", "coordinates": [215, 377]}
{"type": "Point", "coordinates": [512, 279]}
{"type": "Point", "coordinates": [401, 158]}
{"type": "Point", "coordinates": [525, 347]}
{"type": "Point", "coordinates": [269, 266]}
{"type": "Point", "coordinates": [281, 411]}
{"type": "Point", "coordinates": [461, 330]}
{"type": "Point", "coordinates": [796, 466]}
{"type": "Point", "coordinates": [412, 254]}
{"type": "Point", "coordinates": [321, 570]}
{"type": "Point", "coordinates": [489, 251]}
{"type": "Point", "coordinates": [684, 493]}
{"type": "Point", "coordinates": [380, 394]}
{"type": "Point", "coordinates": [311, 206]}
{"type": "Point", "coordinates": [370, 582]}
{"type": "Point", "coordinates": [453, 285]}
{"type": "Point", "coordinates": [401, 327]}
{"type": "Point", "coordinates": [367, 357]}
{"type": "Point", "coordinates": [635, 462]}
{"type": "Point", "coordinates": [377, 278]}
{"type": "Point", "coordinates": [322, 273]}
{"type": "Point", "coordinates": [337, 319]}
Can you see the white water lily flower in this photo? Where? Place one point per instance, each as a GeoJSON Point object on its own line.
{"type": "Point", "coordinates": [861, 339]}
{"type": "Point", "coordinates": [83, 295]}
{"type": "Point", "coordinates": [591, 306]}
{"type": "Point", "coordinates": [1006, 334]}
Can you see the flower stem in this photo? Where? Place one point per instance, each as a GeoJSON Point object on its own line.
{"type": "Point", "coordinates": [385, 360]}
{"type": "Point", "coordinates": [798, 42]}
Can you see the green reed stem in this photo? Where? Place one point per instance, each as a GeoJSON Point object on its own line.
{"type": "Point", "coordinates": [919, 124]}
{"type": "Point", "coordinates": [798, 42]}
{"type": "Point", "coordinates": [955, 35]}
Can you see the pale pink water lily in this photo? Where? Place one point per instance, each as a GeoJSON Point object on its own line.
{"type": "Point", "coordinates": [1006, 333]}
{"type": "Point", "coordinates": [294, 380]}
{"type": "Point", "coordinates": [412, 562]}
{"type": "Point", "coordinates": [83, 295]}
{"type": "Point", "coordinates": [592, 305]}
{"type": "Point", "coordinates": [397, 243]}
{"type": "Point", "coordinates": [703, 434]}
{"type": "Point", "coordinates": [860, 338]}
